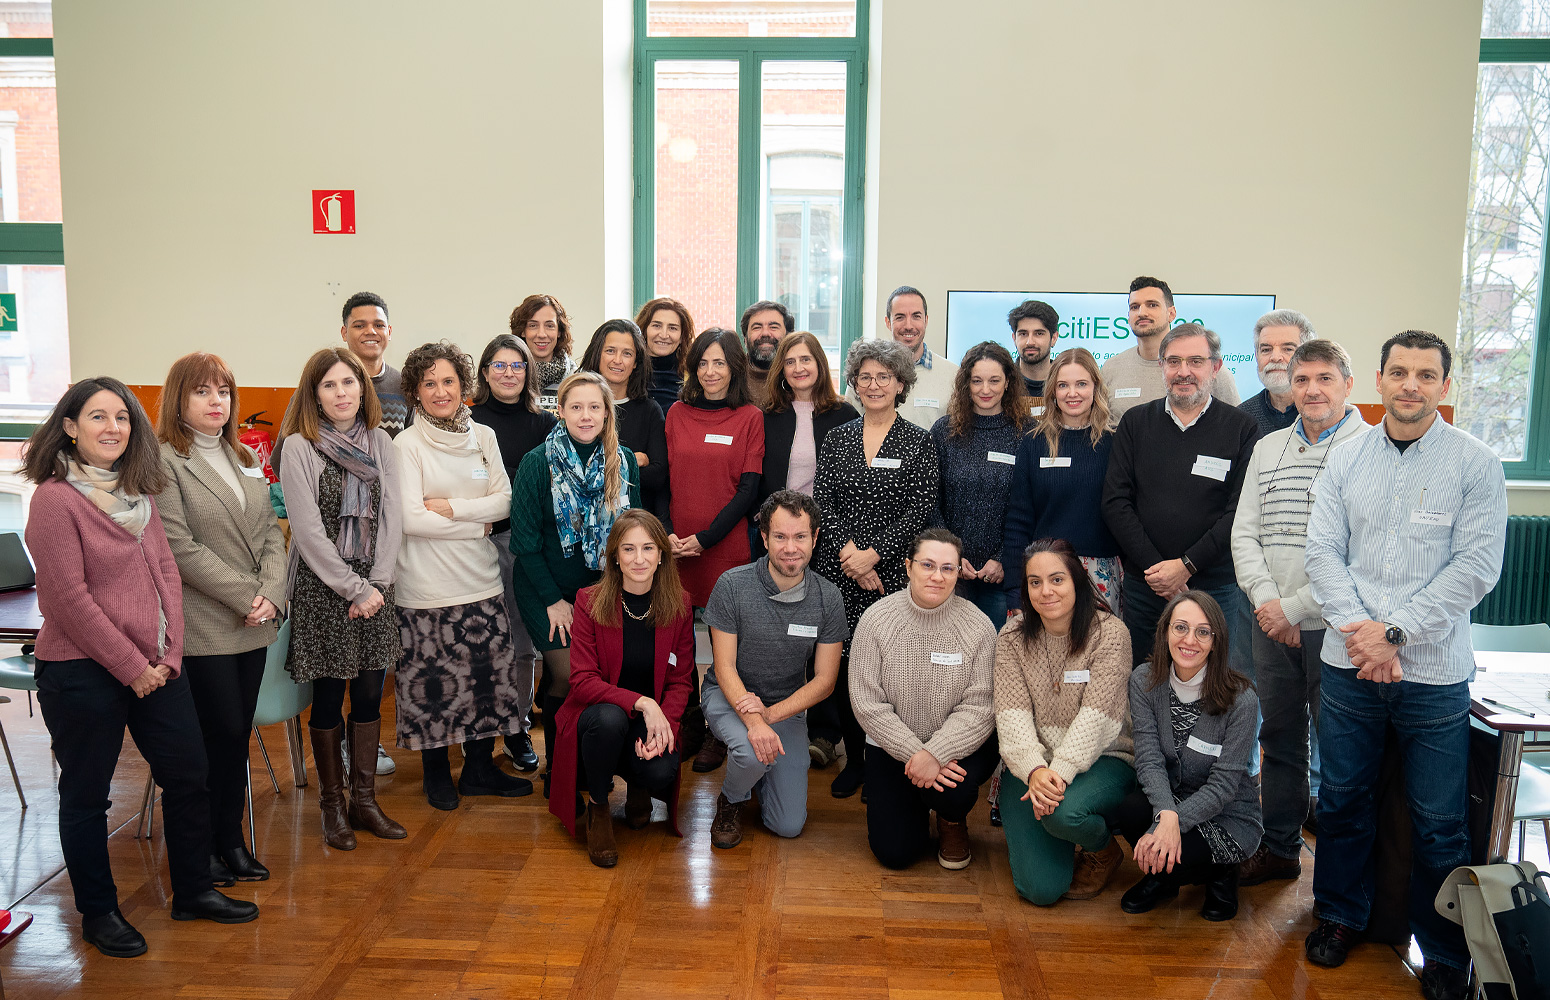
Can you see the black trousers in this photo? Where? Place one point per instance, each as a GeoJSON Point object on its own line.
{"type": "Point", "coordinates": [605, 739]}
{"type": "Point", "coordinates": [898, 815]}
{"type": "Point", "coordinates": [328, 699]}
{"type": "Point", "coordinates": [834, 719]}
{"type": "Point", "coordinates": [1133, 816]}
{"type": "Point", "coordinates": [86, 710]}
{"type": "Point", "coordinates": [225, 690]}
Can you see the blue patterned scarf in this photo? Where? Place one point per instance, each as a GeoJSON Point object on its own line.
{"type": "Point", "coordinates": [580, 513]}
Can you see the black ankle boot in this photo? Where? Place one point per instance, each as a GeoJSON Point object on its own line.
{"type": "Point", "coordinates": [1221, 901]}
{"type": "Point", "coordinates": [482, 776]}
{"type": "Point", "coordinates": [1147, 893]}
{"type": "Point", "coordinates": [439, 791]}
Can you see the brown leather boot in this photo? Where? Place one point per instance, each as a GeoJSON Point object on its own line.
{"type": "Point", "coordinates": [711, 756]}
{"type": "Point", "coordinates": [637, 807]}
{"type": "Point", "coordinates": [1093, 871]}
{"type": "Point", "coordinates": [601, 850]}
{"type": "Point", "coordinates": [726, 830]}
{"type": "Point", "coordinates": [325, 757]}
{"type": "Point", "coordinates": [364, 813]}
{"type": "Point", "coordinates": [952, 847]}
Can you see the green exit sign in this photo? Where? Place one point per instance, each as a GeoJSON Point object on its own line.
{"type": "Point", "coordinates": [8, 312]}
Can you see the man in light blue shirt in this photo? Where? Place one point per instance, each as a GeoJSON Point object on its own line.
{"type": "Point", "coordinates": [1405, 538]}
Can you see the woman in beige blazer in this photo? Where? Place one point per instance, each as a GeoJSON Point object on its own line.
{"type": "Point", "coordinates": [230, 554]}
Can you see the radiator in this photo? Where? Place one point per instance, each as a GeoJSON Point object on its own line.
{"type": "Point", "coordinates": [1522, 595]}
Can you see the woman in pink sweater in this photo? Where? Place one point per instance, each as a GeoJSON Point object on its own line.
{"type": "Point", "coordinates": [110, 652]}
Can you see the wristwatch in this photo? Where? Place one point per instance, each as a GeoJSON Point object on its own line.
{"type": "Point", "coordinates": [1394, 634]}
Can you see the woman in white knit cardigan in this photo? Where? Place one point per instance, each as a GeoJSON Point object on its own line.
{"type": "Point", "coordinates": [1063, 721]}
{"type": "Point", "coordinates": [921, 664]}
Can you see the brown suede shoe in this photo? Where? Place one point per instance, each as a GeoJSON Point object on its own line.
{"type": "Point", "coordinates": [726, 830]}
{"type": "Point", "coordinates": [711, 756]}
{"type": "Point", "coordinates": [601, 850]}
{"type": "Point", "coordinates": [952, 847]}
{"type": "Point", "coordinates": [1093, 871]}
{"type": "Point", "coordinates": [1264, 865]}
{"type": "Point", "coordinates": [637, 807]}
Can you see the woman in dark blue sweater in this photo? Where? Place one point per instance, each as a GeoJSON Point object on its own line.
{"type": "Point", "coordinates": [1057, 486]}
{"type": "Point", "coordinates": [976, 445]}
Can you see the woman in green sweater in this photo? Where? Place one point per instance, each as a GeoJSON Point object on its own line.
{"type": "Point", "coordinates": [564, 499]}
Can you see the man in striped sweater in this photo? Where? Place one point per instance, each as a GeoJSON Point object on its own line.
{"type": "Point", "coordinates": [1269, 535]}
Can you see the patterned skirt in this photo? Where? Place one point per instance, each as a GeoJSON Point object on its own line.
{"type": "Point", "coordinates": [326, 641]}
{"type": "Point", "coordinates": [457, 679]}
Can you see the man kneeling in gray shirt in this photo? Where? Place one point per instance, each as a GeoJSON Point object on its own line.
{"type": "Point", "coordinates": [768, 621]}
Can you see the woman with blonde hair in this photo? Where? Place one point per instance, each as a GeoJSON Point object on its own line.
{"type": "Point", "coordinates": [339, 474]}
{"type": "Point", "coordinates": [231, 557]}
{"type": "Point", "coordinates": [632, 666]}
{"type": "Point", "coordinates": [1057, 483]}
{"type": "Point", "coordinates": [564, 500]}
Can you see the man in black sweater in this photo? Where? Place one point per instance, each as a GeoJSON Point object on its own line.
{"type": "Point", "coordinates": [1171, 491]}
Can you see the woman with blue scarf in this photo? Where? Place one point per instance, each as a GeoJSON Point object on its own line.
{"type": "Point", "coordinates": [564, 499]}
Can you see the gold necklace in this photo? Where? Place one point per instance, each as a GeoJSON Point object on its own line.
{"type": "Point", "coordinates": [640, 618]}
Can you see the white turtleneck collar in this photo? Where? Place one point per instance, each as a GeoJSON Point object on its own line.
{"type": "Point", "coordinates": [1188, 691]}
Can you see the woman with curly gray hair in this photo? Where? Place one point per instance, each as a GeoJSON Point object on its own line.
{"type": "Point", "coordinates": [877, 487]}
{"type": "Point", "coordinates": [457, 678]}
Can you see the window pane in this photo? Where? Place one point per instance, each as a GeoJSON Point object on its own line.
{"type": "Point", "coordinates": [29, 141]}
{"type": "Point", "coordinates": [769, 19]}
{"type": "Point", "coordinates": [34, 343]}
{"type": "Point", "coordinates": [696, 196]}
{"type": "Point", "coordinates": [1515, 19]}
{"type": "Point", "coordinates": [801, 215]}
{"type": "Point", "coordinates": [1499, 298]}
{"type": "Point", "coordinates": [27, 19]}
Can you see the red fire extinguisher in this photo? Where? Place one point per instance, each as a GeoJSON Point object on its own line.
{"type": "Point", "coordinates": [260, 441]}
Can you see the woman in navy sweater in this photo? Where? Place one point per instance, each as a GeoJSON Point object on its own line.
{"type": "Point", "coordinates": [1057, 485]}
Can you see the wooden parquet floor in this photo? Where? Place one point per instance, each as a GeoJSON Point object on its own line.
{"type": "Point", "coordinates": [494, 900]}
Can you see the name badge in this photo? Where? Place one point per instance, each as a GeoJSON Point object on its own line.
{"type": "Point", "coordinates": [1000, 456]}
{"type": "Point", "coordinates": [718, 439]}
{"type": "Point", "coordinates": [804, 631]}
{"type": "Point", "coordinates": [1063, 462]}
{"type": "Point", "coordinates": [481, 473]}
{"type": "Point", "coordinates": [1128, 393]}
{"type": "Point", "coordinates": [256, 472]}
{"type": "Point", "coordinates": [886, 463]}
{"type": "Point", "coordinates": [926, 402]}
{"type": "Point", "coordinates": [947, 659]}
{"type": "Point", "coordinates": [1432, 517]}
{"type": "Point", "coordinates": [1037, 411]}
{"type": "Point", "coordinates": [1078, 676]}
{"type": "Point", "coordinates": [1211, 468]}
{"type": "Point", "coordinates": [1201, 746]}
{"type": "Point", "coordinates": [672, 659]}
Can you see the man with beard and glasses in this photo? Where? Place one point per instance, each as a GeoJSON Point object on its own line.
{"type": "Point", "coordinates": [763, 324]}
{"type": "Point", "coordinates": [1172, 488]}
{"type": "Point", "coordinates": [1135, 376]}
{"type": "Point", "coordinates": [1035, 328]}
{"type": "Point", "coordinates": [1277, 335]}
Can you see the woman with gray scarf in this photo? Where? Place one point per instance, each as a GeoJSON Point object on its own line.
{"type": "Point", "coordinates": [340, 480]}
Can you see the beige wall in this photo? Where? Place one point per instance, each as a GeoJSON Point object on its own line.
{"type": "Point", "coordinates": [192, 136]}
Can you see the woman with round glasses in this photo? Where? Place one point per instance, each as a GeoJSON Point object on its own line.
{"type": "Point", "coordinates": [877, 487]}
{"type": "Point", "coordinates": [506, 401]}
{"type": "Point", "coordinates": [1196, 815]}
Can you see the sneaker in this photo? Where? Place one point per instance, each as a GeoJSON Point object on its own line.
{"type": "Point", "coordinates": [1093, 871]}
{"type": "Point", "coordinates": [1265, 865]}
{"type": "Point", "coordinates": [822, 752]}
{"type": "Point", "coordinates": [519, 747]}
{"type": "Point", "coordinates": [1443, 982]}
{"type": "Point", "coordinates": [995, 814]}
{"type": "Point", "coordinates": [1329, 942]}
{"type": "Point", "coordinates": [385, 763]}
{"type": "Point", "coordinates": [726, 830]}
{"type": "Point", "coordinates": [952, 849]}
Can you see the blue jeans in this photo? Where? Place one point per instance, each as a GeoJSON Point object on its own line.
{"type": "Point", "coordinates": [988, 597]}
{"type": "Point", "coordinates": [1433, 725]}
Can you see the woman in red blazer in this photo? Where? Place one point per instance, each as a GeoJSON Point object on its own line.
{"type": "Point", "coordinates": [632, 667]}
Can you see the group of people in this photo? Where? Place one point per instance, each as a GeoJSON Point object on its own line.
{"type": "Point", "coordinates": [1083, 585]}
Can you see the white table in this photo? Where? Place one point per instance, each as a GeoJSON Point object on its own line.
{"type": "Point", "coordinates": [1511, 695]}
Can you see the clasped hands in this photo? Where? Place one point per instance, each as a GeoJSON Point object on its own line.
{"type": "Point", "coordinates": [1046, 790]}
{"type": "Point", "coordinates": [685, 547]}
{"type": "Point", "coordinates": [990, 572]}
{"type": "Point", "coordinates": [152, 677]}
{"type": "Point", "coordinates": [861, 566]}
{"type": "Point", "coordinates": [1168, 578]}
{"type": "Point", "coordinates": [1371, 653]}
{"type": "Point", "coordinates": [659, 732]}
{"type": "Point", "coordinates": [925, 771]}
{"type": "Point", "coordinates": [1273, 622]}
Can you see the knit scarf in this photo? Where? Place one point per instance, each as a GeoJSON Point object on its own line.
{"type": "Point", "coordinates": [552, 371]}
{"type": "Point", "coordinates": [100, 486]}
{"type": "Point", "coordinates": [457, 423]}
{"type": "Point", "coordinates": [580, 512]}
{"type": "Point", "coordinates": [351, 451]}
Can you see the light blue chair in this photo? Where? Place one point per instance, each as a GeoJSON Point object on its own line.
{"type": "Point", "coordinates": [1511, 638]}
{"type": "Point", "coordinates": [1533, 805]}
{"type": "Point", "coordinates": [280, 700]}
{"type": "Point", "coordinates": [16, 675]}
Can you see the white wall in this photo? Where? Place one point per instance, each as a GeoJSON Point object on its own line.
{"type": "Point", "coordinates": [192, 135]}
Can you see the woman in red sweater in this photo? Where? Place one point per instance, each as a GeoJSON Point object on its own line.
{"type": "Point", "coordinates": [715, 453]}
{"type": "Point", "coordinates": [632, 667]}
{"type": "Point", "coordinates": [110, 652]}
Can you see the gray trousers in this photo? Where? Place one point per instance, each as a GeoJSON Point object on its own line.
{"type": "Point", "coordinates": [1288, 685]}
{"type": "Point", "coordinates": [525, 665]}
{"type": "Point", "coordinates": [782, 785]}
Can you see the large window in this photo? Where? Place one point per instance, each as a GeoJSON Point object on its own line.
{"type": "Point", "coordinates": [749, 137]}
{"type": "Point", "coordinates": [1500, 387]}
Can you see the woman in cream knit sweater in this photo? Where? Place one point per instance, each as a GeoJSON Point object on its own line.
{"type": "Point", "coordinates": [1063, 720]}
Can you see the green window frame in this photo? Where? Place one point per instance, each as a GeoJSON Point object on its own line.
{"type": "Point", "coordinates": [750, 55]}
{"type": "Point", "coordinates": [1536, 463]}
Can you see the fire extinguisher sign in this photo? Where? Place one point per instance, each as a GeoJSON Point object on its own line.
{"type": "Point", "coordinates": [333, 212]}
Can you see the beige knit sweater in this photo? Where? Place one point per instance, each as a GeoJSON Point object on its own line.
{"type": "Point", "coordinates": [921, 679]}
{"type": "Point", "coordinates": [1046, 716]}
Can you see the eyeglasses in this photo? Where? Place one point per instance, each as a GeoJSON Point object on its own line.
{"type": "Point", "coordinates": [502, 367]}
{"type": "Point", "coordinates": [1198, 364]}
{"type": "Point", "coordinates": [930, 568]}
{"type": "Point", "coordinates": [1202, 632]}
{"type": "Point", "coordinates": [869, 380]}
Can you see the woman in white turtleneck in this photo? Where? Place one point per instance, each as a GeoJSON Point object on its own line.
{"type": "Point", "coordinates": [232, 561]}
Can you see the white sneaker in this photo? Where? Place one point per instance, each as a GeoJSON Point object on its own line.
{"type": "Point", "coordinates": [385, 763]}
